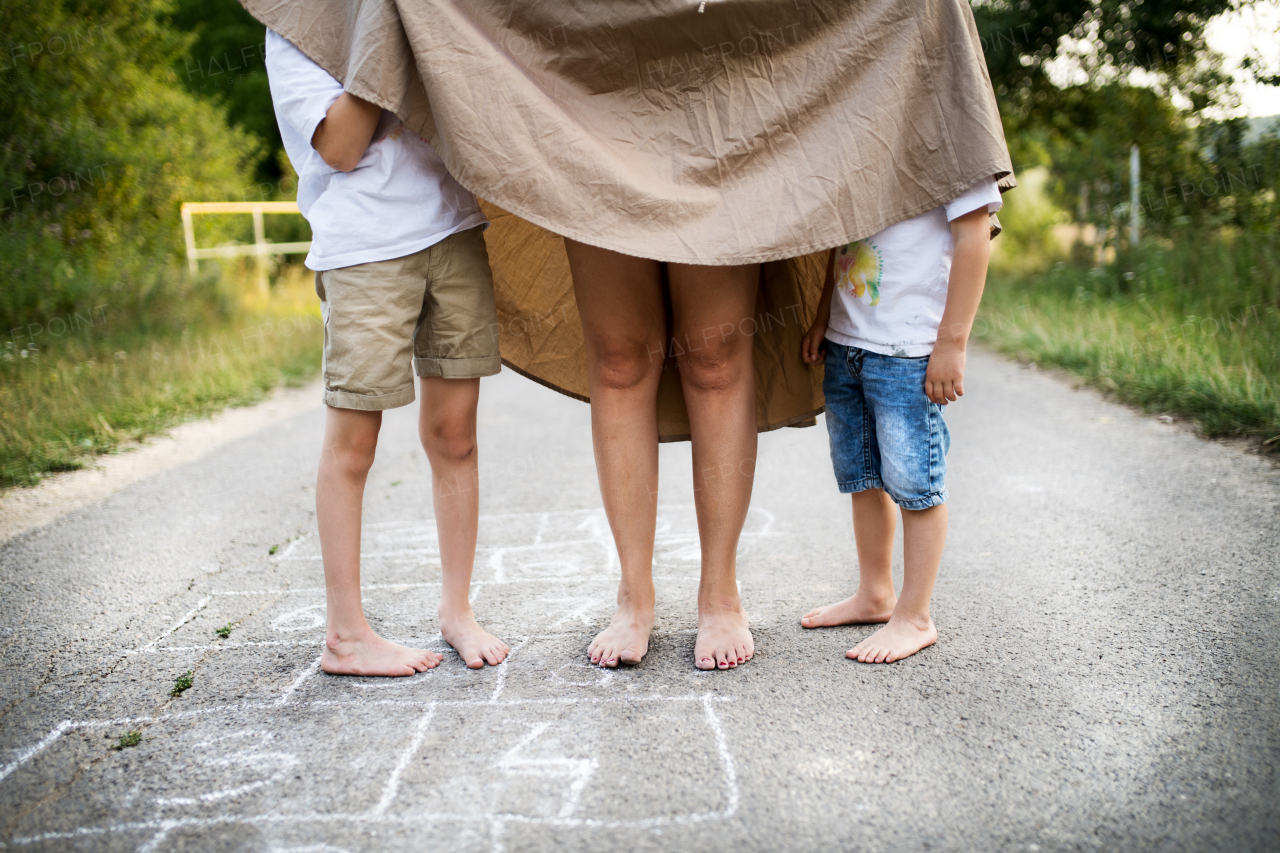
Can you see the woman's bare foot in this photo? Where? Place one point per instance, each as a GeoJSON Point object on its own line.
{"type": "Point", "coordinates": [861, 608]}
{"type": "Point", "coordinates": [724, 638]}
{"type": "Point", "coordinates": [626, 640]}
{"type": "Point", "coordinates": [368, 654]}
{"type": "Point", "coordinates": [901, 638]}
{"type": "Point", "coordinates": [474, 644]}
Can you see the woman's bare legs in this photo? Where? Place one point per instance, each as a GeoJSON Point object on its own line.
{"type": "Point", "coordinates": [351, 647]}
{"type": "Point", "coordinates": [620, 301]}
{"type": "Point", "coordinates": [714, 311]}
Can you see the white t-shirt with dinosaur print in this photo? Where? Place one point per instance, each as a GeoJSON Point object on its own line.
{"type": "Point", "coordinates": [891, 287]}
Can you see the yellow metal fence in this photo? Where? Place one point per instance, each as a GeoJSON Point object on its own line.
{"type": "Point", "coordinates": [260, 249]}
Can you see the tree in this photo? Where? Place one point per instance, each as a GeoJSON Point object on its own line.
{"type": "Point", "coordinates": [1163, 37]}
{"type": "Point", "coordinates": [225, 62]}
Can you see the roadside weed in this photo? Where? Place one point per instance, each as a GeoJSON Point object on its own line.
{"type": "Point", "coordinates": [127, 740]}
{"type": "Point", "coordinates": [183, 683]}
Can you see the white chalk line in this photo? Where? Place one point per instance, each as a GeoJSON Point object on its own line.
{"type": "Point", "coordinates": [291, 590]}
{"type": "Point", "coordinates": [500, 682]}
{"type": "Point", "coordinates": [378, 815]}
{"type": "Point", "coordinates": [400, 586]}
{"type": "Point", "coordinates": [671, 539]}
{"type": "Point", "coordinates": [294, 544]}
{"type": "Point", "coordinates": [432, 646]}
{"type": "Point", "coordinates": [216, 646]}
{"type": "Point", "coordinates": [191, 614]}
{"type": "Point", "coordinates": [392, 786]}
{"type": "Point", "coordinates": [419, 818]}
{"type": "Point", "coordinates": [726, 760]}
{"type": "Point", "coordinates": [579, 771]}
{"type": "Point", "coordinates": [404, 552]}
{"type": "Point", "coordinates": [428, 529]}
{"type": "Point", "coordinates": [72, 725]}
{"type": "Point", "coordinates": [306, 673]}
{"type": "Point", "coordinates": [155, 648]}
{"type": "Point", "coordinates": [32, 751]}
{"type": "Point", "coordinates": [156, 840]}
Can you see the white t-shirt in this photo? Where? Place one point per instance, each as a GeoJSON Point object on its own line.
{"type": "Point", "coordinates": [398, 200]}
{"type": "Point", "coordinates": [891, 288]}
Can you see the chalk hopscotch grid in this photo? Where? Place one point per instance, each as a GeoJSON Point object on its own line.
{"type": "Point", "coordinates": [670, 547]}
{"type": "Point", "coordinates": [381, 812]}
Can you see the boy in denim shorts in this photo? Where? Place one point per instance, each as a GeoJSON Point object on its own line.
{"type": "Point", "coordinates": [895, 343]}
{"type": "Point", "coordinates": [405, 289]}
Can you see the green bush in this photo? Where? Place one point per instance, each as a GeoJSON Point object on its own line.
{"type": "Point", "coordinates": [99, 147]}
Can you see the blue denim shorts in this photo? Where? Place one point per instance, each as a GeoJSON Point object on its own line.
{"type": "Point", "coordinates": [885, 433]}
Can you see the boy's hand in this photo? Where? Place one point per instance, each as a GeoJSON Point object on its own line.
{"type": "Point", "coordinates": [944, 379]}
{"type": "Point", "coordinates": [345, 132]}
{"type": "Point", "coordinates": [811, 346]}
{"type": "Point", "coordinates": [971, 233]}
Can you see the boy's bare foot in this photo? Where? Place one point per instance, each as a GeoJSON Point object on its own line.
{"type": "Point", "coordinates": [724, 638]}
{"type": "Point", "coordinates": [369, 654]}
{"type": "Point", "coordinates": [901, 638]}
{"type": "Point", "coordinates": [626, 640]}
{"type": "Point", "coordinates": [474, 644]}
{"type": "Point", "coordinates": [861, 608]}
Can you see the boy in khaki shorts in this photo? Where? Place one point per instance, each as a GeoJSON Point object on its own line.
{"type": "Point", "coordinates": [405, 289]}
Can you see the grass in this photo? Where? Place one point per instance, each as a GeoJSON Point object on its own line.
{"type": "Point", "coordinates": [64, 399]}
{"type": "Point", "coordinates": [225, 630]}
{"type": "Point", "coordinates": [1188, 327]}
{"type": "Point", "coordinates": [182, 685]}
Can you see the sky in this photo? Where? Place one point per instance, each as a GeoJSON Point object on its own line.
{"type": "Point", "coordinates": [1234, 35]}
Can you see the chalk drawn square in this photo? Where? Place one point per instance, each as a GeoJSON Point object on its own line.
{"type": "Point", "coordinates": [677, 547]}
{"type": "Point", "coordinates": [556, 668]}
{"type": "Point", "coordinates": [571, 764]}
{"type": "Point", "coordinates": [551, 561]}
{"type": "Point", "coordinates": [451, 681]}
{"type": "Point", "coordinates": [249, 614]}
{"type": "Point", "coordinates": [565, 605]}
{"type": "Point", "coordinates": [256, 763]}
{"type": "Point", "coordinates": [390, 552]}
{"type": "Point", "coordinates": [267, 619]}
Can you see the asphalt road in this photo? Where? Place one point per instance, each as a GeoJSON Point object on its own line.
{"type": "Point", "coordinates": [1107, 673]}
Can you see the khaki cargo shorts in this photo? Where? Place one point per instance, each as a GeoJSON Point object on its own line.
{"type": "Point", "coordinates": [431, 313]}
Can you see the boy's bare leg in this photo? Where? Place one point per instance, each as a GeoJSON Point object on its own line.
{"type": "Point", "coordinates": [351, 647]}
{"type": "Point", "coordinates": [874, 520]}
{"type": "Point", "coordinates": [709, 305]}
{"type": "Point", "coordinates": [924, 532]}
{"type": "Point", "coordinates": [447, 427]}
{"type": "Point", "coordinates": [620, 300]}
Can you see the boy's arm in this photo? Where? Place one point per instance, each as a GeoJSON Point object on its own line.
{"type": "Point", "coordinates": [971, 233]}
{"type": "Point", "coordinates": [345, 132]}
{"type": "Point", "coordinates": [811, 346]}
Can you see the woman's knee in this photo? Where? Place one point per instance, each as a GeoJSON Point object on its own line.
{"type": "Point", "coordinates": [625, 365]}
{"type": "Point", "coordinates": [717, 360]}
